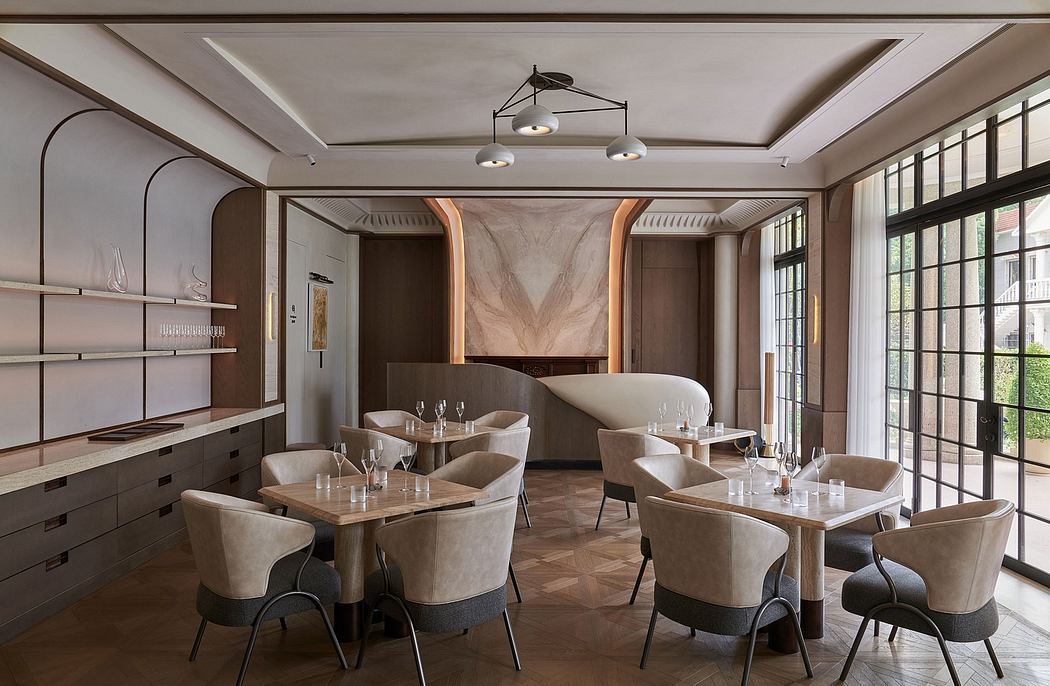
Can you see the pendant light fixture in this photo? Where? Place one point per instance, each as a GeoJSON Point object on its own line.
{"type": "Point", "coordinates": [537, 120]}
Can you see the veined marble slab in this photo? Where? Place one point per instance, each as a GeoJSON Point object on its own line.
{"type": "Point", "coordinates": [25, 467]}
{"type": "Point", "coordinates": [537, 275]}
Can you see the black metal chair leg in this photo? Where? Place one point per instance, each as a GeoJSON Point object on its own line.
{"type": "Point", "coordinates": [876, 630]}
{"type": "Point", "coordinates": [465, 632]}
{"type": "Point", "coordinates": [995, 660]}
{"type": "Point", "coordinates": [510, 639]}
{"type": "Point", "coordinates": [525, 511]}
{"type": "Point", "coordinates": [638, 581]}
{"type": "Point", "coordinates": [692, 632]}
{"type": "Point", "coordinates": [853, 650]}
{"type": "Point", "coordinates": [248, 651]}
{"type": "Point", "coordinates": [751, 638]}
{"type": "Point", "coordinates": [524, 492]}
{"type": "Point", "coordinates": [197, 640]}
{"type": "Point", "coordinates": [284, 624]}
{"type": "Point", "coordinates": [648, 640]}
{"type": "Point", "coordinates": [331, 633]}
{"type": "Point", "coordinates": [801, 641]}
{"type": "Point", "coordinates": [600, 509]}
{"type": "Point", "coordinates": [415, 642]}
{"type": "Point", "coordinates": [948, 659]}
{"type": "Point", "coordinates": [893, 633]}
{"type": "Point", "coordinates": [366, 612]}
{"type": "Point", "coordinates": [514, 582]}
{"type": "Point", "coordinates": [628, 509]}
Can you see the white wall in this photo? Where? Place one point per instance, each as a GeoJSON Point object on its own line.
{"type": "Point", "coordinates": [727, 249]}
{"type": "Point", "coordinates": [317, 397]}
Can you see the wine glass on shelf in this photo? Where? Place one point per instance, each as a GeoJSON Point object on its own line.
{"type": "Point", "coordinates": [406, 454]}
{"type": "Point", "coordinates": [222, 333]}
{"type": "Point", "coordinates": [751, 460]}
{"type": "Point", "coordinates": [340, 458]}
{"type": "Point", "coordinates": [461, 407]}
{"type": "Point", "coordinates": [819, 459]}
{"type": "Point", "coordinates": [661, 410]}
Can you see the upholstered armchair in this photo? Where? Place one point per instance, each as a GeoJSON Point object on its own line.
{"type": "Point", "coordinates": [504, 419]}
{"type": "Point", "coordinates": [514, 442]}
{"type": "Point", "coordinates": [254, 566]}
{"type": "Point", "coordinates": [498, 475]}
{"type": "Point", "coordinates": [618, 449]}
{"type": "Point", "coordinates": [719, 572]}
{"type": "Point", "coordinates": [938, 577]}
{"type": "Point", "coordinates": [381, 418]}
{"type": "Point", "coordinates": [657, 475]}
{"type": "Point", "coordinates": [358, 440]}
{"type": "Point", "coordinates": [444, 571]}
{"type": "Point", "coordinates": [301, 466]}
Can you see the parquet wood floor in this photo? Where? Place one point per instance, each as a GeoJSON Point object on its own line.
{"type": "Point", "coordinates": [574, 628]}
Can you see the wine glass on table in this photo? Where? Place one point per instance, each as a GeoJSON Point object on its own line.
{"type": "Point", "coordinates": [406, 454]}
{"type": "Point", "coordinates": [439, 412]}
{"type": "Point", "coordinates": [661, 409]}
{"type": "Point", "coordinates": [709, 409]}
{"type": "Point", "coordinates": [340, 458]}
{"type": "Point", "coordinates": [461, 407]}
{"type": "Point", "coordinates": [421, 407]}
{"type": "Point", "coordinates": [368, 462]}
{"type": "Point", "coordinates": [690, 412]}
{"type": "Point", "coordinates": [680, 408]}
{"type": "Point", "coordinates": [819, 459]}
{"type": "Point", "coordinates": [751, 460]}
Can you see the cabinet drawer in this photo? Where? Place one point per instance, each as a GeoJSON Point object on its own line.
{"type": "Point", "coordinates": [144, 468]}
{"type": "Point", "coordinates": [148, 529]}
{"type": "Point", "coordinates": [148, 497]}
{"type": "Point", "coordinates": [62, 571]}
{"type": "Point", "coordinates": [217, 445]}
{"type": "Point", "coordinates": [244, 484]}
{"type": "Point", "coordinates": [231, 463]}
{"type": "Point", "coordinates": [36, 504]}
{"type": "Point", "coordinates": [34, 544]}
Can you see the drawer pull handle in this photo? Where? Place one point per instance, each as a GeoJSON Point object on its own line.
{"type": "Point", "coordinates": [164, 481]}
{"type": "Point", "coordinates": [235, 478]}
{"type": "Point", "coordinates": [234, 453]}
{"type": "Point", "coordinates": [54, 483]}
{"type": "Point", "coordinates": [165, 511]}
{"type": "Point", "coordinates": [166, 451]}
{"type": "Point", "coordinates": [56, 561]}
{"type": "Point", "coordinates": [235, 429]}
{"type": "Point", "coordinates": [55, 522]}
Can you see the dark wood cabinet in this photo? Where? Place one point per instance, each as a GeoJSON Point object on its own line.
{"type": "Point", "coordinates": [543, 366]}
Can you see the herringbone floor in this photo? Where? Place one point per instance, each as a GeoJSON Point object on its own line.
{"type": "Point", "coordinates": [574, 627]}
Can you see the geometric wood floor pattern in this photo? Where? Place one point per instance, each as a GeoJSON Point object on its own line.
{"type": "Point", "coordinates": [574, 627]}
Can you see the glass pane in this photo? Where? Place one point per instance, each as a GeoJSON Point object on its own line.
{"type": "Point", "coordinates": [950, 329]}
{"type": "Point", "coordinates": [931, 180]}
{"type": "Point", "coordinates": [928, 464]}
{"type": "Point", "coordinates": [950, 374]}
{"type": "Point", "coordinates": [973, 470]}
{"type": "Point", "coordinates": [951, 285]}
{"type": "Point", "coordinates": [893, 295]}
{"type": "Point", "coordinates": [892, 189]}
{"type": "Point", "coordinates": [893, 368]}
{"type": "Point", "coordinates": [953, 139]}
{"type": "Point", "coordinates": [951, 240]}
{"type": "Point", "coordinates": [907, 379]}
{"type": "Point", "coordinates": [973, 235]}
{"type": "Point", "coordinates": [1004, 485]}
{"type": "Point", "coordinates": [908, 330]}
{"type": "Point", "coordinates": [973, 377]}
{"type": "Point", "coordinates": [907, 448]}
{"type": "Point", "coordinates": [1038, 135]}
{"type": "Point", "coordinates": [908, 252]}
{"type": "Point", "coordinates": [973, 329]}
{"type": "Point", "coordinates": [1009, 147]}
{"type": "Point", "coordinates": [930, 251]}
{"type": "Point", "coordinates": [1005, 390]}
{"type": "Point", "coordinates": [1010, 111]}
{"type": "Point", "coordinates": [907, 188]}
{"type": "Point", "coordinates": [952, 170]}
{"type": "Point", "coordinates": [1006, 228]}
{"type": "Point", "coordinates": [892, 446]}
{"type": "Point", "coordinates": [929, 287]}
{"type": "Point", "coordinates": [1037, 496]}
{"type": "Point", "coordinates": [906, 410]}
{"type": "Point", "coordinates": [973, 284]}
{"type": "Point", "coordinates": [976, 161]}
{"type": "Point", "coordinates": [968, 428]}
{"type": "Point", "coordinates": [1037, 383]}
{"type": "Point", "coordinates": [930, 373]}
{"type": "Point", "coordinates": [1037, 224]}
{"type": "Point", "coordinates": [949, 423]}
{"type": "Point", "coordinates": [1037, 541]}
{"type": "Point", "coordinates": [929, 331]}
{"type": "Point", "coordinates": [893, 408]}
{"type": "Point", "coordinates": [893, 322]}
{"type": "Point", "coordinates": [1007, 334]}
{"type": "Point", "coordinates": [928, 418]}
{"type": "Point", "coordinates": [895, 254]}
{"type": "Point", "coordinates": [907, 290]}
{"type": "Point", "coordinates": [1041, 97]}
{"type": "Point", "coordinates": [1007, 276]}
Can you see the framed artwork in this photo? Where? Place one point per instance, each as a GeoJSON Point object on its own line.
{"type": "Point", "coordinates": [317, 340]}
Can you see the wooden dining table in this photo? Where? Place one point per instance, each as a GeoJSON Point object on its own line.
{"type": "Point", "coordinates": [438, 442]}
{"type": "Point", "coordinates": [805, 527]}
{"type": "Point", "coordinates": [696, 445]}
{"type": "Point", "coordinates": [356, 524]}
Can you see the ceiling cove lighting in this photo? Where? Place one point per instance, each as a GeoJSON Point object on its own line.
{"type": "Point", "coordinates": [537, 120]}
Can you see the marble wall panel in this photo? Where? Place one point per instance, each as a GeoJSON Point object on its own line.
{"type": "Point", "coordinates": [537, 275]}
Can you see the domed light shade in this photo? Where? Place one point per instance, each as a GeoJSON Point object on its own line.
{"type": "Point", "coordinates": [494, 156]}
{"type": "Point", "coordinates": [625, 148]}
{"type": "Point", "coordinates": [534, 120]}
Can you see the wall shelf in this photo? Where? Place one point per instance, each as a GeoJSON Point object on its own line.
{"type": "Point", "coordinates": [116, 355]}
{"type": "Point", "coordinates": [43, 289]}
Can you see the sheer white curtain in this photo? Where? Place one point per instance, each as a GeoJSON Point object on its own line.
{"type": "Point", "coordinates": [766, 300]}
{"type": "Point", "coordinates": [866, 399]}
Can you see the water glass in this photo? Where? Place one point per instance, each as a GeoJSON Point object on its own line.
{"type": "Point", "coordinates": [720, 427]}
{"type": "Point", "coordinates": [736, 488]}
{"type": "Point", "coordinates": [381, 475]}
{"type": "Point", "coordinates": [422, 483]}
{"type": "Point", "coordinates": [837, 488]}
{"type": "Point", "coordinates": [800, 497]}
{"type": "Point", "coordinates": [410, 425]}
{"type": "Point", "coordinates": [322, 482]}
{"type": "Point", "coordinates": [651, 427]}
{"type": "Point", "coordinates": [358, 493]}
{"type": "Point", "coordinates": [470, 426]}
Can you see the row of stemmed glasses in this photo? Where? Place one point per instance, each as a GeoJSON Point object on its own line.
{"type": "Point", "coordinates": [439, 409]}
{"type": "Point", "coordinates": [194, 334]}
{"type": "Point", "coordinates": [686, 410]}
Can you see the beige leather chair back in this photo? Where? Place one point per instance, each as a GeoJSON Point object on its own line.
{"type": "Point", "coordinates": [381, 418]}
{"type": "Point", "coordinates": [957, 550]}
{"type": "Point", "coordinates": [871, 473]}
{"type": "Point", "coordinates": [299, 466]}
{"type": "Point", "coordinates": [658, 474]}
{"type": "Point", "coordinates": [504, 419]}
{"type": "Point", "coordinates": [499, 475]}
{"type": "Point", "coordinates": [509, 442]}
{"type": "Point", "coordinates": [452, 555]}
{"type": "Point", "coordinates": [711, 555]}
{"type": "Point", "coordinates": [619, 448]}
{"type": "Point", "coordinates": [361, 439]}
{"type": "Point", "coordinates": [236, 542]}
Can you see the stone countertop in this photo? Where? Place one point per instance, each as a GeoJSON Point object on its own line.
{"type": "Point", "coordinates": [24, 467]}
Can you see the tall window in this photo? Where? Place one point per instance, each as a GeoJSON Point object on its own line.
{"type": "Point", "coordinates": [789, 283]}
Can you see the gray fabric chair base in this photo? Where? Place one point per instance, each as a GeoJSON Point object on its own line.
{"type": "Point", "coordinates": [847, 549]}
{"type": "Point", "coordinates": [618, 491]}
{"type": "Point", "coordinates": [866, 589]}
{"type": "Point", "coordinates": [646, 547]}
{"type": "Point", "coordinates": [455, 616]}
{"type": "Point", "coordinates": [724, 621]}
{"type": "Point", "coordinates": [324, 541]}
{"type": "Point", "coordinates": [318, 578]}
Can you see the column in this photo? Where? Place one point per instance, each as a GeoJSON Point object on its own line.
{"type": "Point", "coordinates": [723, 393]}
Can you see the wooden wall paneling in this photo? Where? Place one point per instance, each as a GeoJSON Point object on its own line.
{"type": "Point", "coordinates": [273, 252]}
{"type": "Point", "coordinates": [238, 258]}
{"type": "Point", "coordinates": [749, 353]}
{"type": "Point", "coordinates": [705, 313]}
{"type": "Point", "coordinates": [403, 309]}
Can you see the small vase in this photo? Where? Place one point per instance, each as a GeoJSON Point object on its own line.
{"type": "Point", "coordinates": [118, 276]}
{"type": "Point", "coordinates": [194, 288]}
